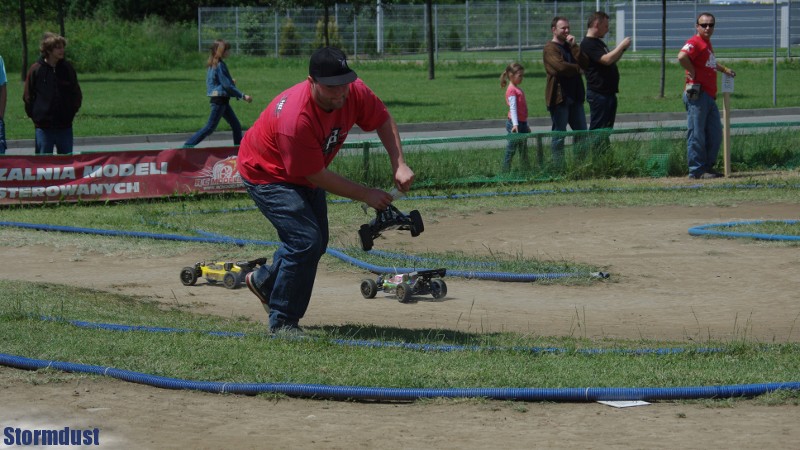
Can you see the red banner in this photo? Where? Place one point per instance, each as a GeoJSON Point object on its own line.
{"type": "Point", "coordinates": [118, 175]}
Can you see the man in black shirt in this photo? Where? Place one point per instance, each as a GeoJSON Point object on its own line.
{"type": "Point", "coordinates": [602, 75]}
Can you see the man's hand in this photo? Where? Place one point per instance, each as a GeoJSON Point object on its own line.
{"type": "Point", "coordinates": [378, 199]}
{"type": "Point", "coordinates": [403, 177]}
{"type": "Point", "coordinates": [625, 43]}
{"type": "Point", "coordinates": [570, 39]}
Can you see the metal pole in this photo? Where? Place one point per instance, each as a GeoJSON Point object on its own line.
{"type": "Point", "coordinates": [634, 25]}
{"type": "Point", "coordinates": [774, 53]}
{"type": "Point", "coordinates": [355, 37]}
{"type": "Point", "coordinates": [466, 25]}
{"type": "Point", "coordinates": [436, 30]}
{"type": "Point", "coordinates": [519, 32]}
{"type": "Point", "coordinates": [379, 26]}
{"type": "Point", "coordinates": [497, 23]}
{"type": "Point", "coordinates": [200, 28]}
{"type": "Point", "coordinates": [789, 24]}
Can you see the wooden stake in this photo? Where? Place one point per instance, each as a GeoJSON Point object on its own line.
{"type": "Point", "coordinates": [726, 135]}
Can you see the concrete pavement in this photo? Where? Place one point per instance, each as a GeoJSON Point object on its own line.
{"type": "Point", "coordinates": [407, 131]}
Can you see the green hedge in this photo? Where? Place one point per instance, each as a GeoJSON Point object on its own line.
{"type": "Point", "coordinates": [109, 45]}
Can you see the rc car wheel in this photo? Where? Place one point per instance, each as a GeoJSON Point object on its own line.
{"type": "Point", "coordinates": [417, 226]}
{"type": "Point", "coordinates": [369, 288]}
{"type": "Point", "coordinates": [438, 288]}
{"type": "Point", "coordinates": [403, 292]}
{"type": "Point", "coordinates": [230, 280]}
{"type": "Point", "coordinates": [365, 235]}
{"type": "Point", "coordinates": [188, 276]}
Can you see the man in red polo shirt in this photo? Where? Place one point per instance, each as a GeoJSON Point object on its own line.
{"type": "Point", "coordinates": [283, 161]}
{"type": "Point", "coordinates": [704, 126]}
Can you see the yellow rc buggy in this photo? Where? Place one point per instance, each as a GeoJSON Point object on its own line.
{"type": "Point", "coordinates": [230, 274]}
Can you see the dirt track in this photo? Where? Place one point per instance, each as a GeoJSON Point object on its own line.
{"type": "Point", "coordinates": [665, 285]}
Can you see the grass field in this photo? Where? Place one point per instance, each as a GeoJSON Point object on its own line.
{"type": "Point", "coordinates": [174, 101]}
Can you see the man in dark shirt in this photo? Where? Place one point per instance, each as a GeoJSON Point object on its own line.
{"type": "Point", "coordinates": [52, 96]}
{"type": "Point", "coordinates": [602, 76]}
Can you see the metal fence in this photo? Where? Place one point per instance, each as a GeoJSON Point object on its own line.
{"type": "Point", "coordinates": [472, 28]}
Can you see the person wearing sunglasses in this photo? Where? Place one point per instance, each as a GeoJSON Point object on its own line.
{"type": "Point", "coordinates": [704, 134]}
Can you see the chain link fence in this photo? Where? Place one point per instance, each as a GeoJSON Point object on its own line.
{"type": "Point", "coordinates": [469, 30]}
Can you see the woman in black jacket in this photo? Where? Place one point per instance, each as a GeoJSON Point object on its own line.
{"type": "Point", "coordinates": [52, 96]}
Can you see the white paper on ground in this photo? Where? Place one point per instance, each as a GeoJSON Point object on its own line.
{"type": "Point", "coordinates": [624, 403]}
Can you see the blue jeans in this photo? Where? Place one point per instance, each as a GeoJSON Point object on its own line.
{"type": "Point", "coordinates": [519, 144]}
{"type": "Point", "coordinates": [567, 112]}
{"type": "Point", "coordinates": [47, 138]}
{"type": "Point", "coordinates": [2, 137]}
{"type": "Point", "coordinates": [704, 134]}
{"type": "Point", "coordinates": [603, 114]}
{"type": "Point", "coordinates": [300, 215]}
{"type": "Point", "coordinates": [218, 112]}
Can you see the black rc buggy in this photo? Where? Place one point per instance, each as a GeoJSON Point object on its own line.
{"type": "Point", "coordinates": [389, 219]}
{"type": "Point", "coordinates": [231, 274]}
{"type": "Point", "coordinates": [405, 285]}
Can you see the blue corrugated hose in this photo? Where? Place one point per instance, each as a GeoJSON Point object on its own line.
{"type": "Point", "coordinates": [408, 394]}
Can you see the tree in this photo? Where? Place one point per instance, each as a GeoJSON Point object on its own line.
{"type": "Point", "coordinates": [24, 30]}
{"type": "Point", "coordinates": [61, 15]}
{"type": "Point", "coordinates": [289, 40]}
{"type": "Point", "coordinates": [326, 5]}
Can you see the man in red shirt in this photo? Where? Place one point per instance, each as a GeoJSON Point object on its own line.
{"type": "Point", "coordinates": [704, 126]}
{"type": "Point", "coordinates": [283, 162]}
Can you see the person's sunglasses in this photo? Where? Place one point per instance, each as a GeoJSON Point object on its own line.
{"type": "Point", "coordinates": [706, 25]}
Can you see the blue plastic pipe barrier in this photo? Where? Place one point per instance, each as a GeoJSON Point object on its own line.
{"type": "Point", "coordinates": [714, 230]}
{"type": "Point", "coordinates": [588, 394]}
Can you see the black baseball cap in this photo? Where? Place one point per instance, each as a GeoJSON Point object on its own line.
{"type": "Point", "coordinates": [329, 66]}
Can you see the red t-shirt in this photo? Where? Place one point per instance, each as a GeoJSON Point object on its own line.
{"type": "Point", "coordinates": [705, 64]}
{"type": "Point", "coordinates": [294, 137]}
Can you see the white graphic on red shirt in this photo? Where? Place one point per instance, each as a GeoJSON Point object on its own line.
{"type": "Point", "coordinates": [712, 61]}
{"type": "Point", "coordinates": [332, 141]}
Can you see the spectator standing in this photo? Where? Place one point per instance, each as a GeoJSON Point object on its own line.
{"type": "Point", "coordinates": [220, 87]}
{"type": "Point", "coordinates": [52, 96]}
{"type": "Point", "coordinates": [3, 101]}
{"type": "Point", "coordinates": [517, 121]}
{"type": "Point", "coordinates": [704, 134]}
{"type": "Point", "coordinates": [283, 162]}
{"type": "Point", "coordinates": [602, 76]}
{"type": "Point", "coordinates": [564, 91]}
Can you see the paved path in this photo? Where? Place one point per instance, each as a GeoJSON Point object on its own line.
{"type": "Point", "coordinates": [408, 131]}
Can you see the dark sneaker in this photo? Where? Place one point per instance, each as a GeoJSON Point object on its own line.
{"type": "Point", "coordinates": [287, 331]}
{"type": "Point", "coordinates": [248, 279]}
